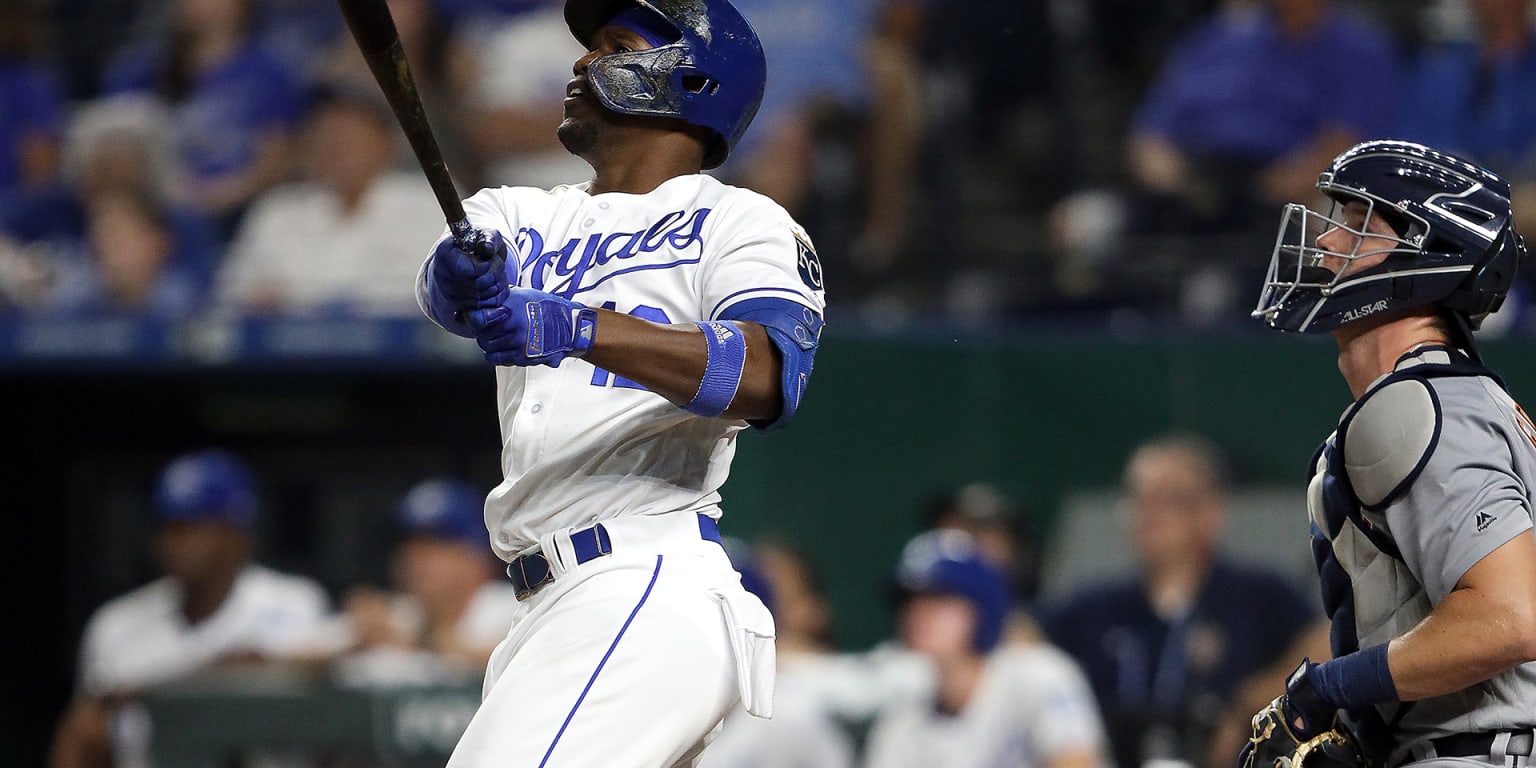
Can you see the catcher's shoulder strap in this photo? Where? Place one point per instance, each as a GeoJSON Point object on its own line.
{"type": "Point", "coordinates": [1390, 433]}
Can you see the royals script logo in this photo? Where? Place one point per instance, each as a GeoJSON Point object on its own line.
{"type": "Point", "coordinates": [583, 263]}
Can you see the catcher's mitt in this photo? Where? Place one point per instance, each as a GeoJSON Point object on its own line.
{"type": "Point", "coordinates": [1275, 744]}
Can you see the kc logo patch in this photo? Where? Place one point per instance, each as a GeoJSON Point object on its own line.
{"type": "Point", "coordinates": [809, 265]}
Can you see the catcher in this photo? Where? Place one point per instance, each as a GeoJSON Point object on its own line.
{"type": "Point", "coordinates": [1421, 499]}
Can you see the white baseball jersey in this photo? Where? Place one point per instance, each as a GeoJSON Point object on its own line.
{"type": "Point", "coordinates": [580, 444]}
{"type": "Point", "coordinates": [1031, 705]}
{"type": "Point", "coordinates": [142, 638]}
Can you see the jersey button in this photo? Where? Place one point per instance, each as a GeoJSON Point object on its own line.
{"type": "Point", "coordinates": [537, 407]}
{"type": "Point", "coordinates": [504, 537]}
{"type": "Point", "coordinates": [603, 206]}
{"type": "Point", "coordinates": [588, 222]}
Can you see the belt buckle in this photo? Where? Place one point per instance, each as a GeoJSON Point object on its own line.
{"type": "Point", "coordinates": [526, 586]}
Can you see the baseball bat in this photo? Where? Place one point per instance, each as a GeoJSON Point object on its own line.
{"type": "Point", "coordinates": [374, 30]}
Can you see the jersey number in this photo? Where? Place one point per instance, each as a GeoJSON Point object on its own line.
{"type": "Point", "coordinates": [601, 377]}
{"type": "Point", "coordinates": [1524, 420]}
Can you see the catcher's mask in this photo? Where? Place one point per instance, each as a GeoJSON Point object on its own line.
{"type": "Point", "coordinates": [1453, 243]}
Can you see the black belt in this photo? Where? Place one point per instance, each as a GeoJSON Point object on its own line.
{"type": "Point", "coordinates": [1481, 744]}
{"type": "Point", "coordinates": [531, 571]}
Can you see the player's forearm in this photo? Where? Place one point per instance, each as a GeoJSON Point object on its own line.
{"type": "Point", "coordinates": [1470, 636]}
{"type": "Point", "coordinates": [670, 360]}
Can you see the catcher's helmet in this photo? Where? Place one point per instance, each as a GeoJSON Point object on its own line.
{"type": "Point", "coordinates": [947, 562]}
{"type": "Point", "coordinates": [1456, 246]}
{"type": "Point", "coordinates": [209, 486]}
{"type": "Point", "coordinates": [712, 75]}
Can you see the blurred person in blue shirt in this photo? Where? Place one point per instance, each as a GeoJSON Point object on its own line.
{"type": "Point", "coordinates": [235, 105]}
{"type": "Point", "coordinates": [31, 102]}
{"type": "Point", "coordinates": [1475, 94]}
{"type": "Point", "coordinates": [1167, 648]}
{"type": "Point", "coordinates": [1250, 103]}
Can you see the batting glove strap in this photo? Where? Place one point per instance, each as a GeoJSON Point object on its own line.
{"type": "Point", "coordinates": [727, 347]}
{"type": "Point", "coordinates": [533, 328]}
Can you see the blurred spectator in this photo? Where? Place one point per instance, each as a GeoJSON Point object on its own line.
{"type": "Point", "coordinates": [1024, 705]}
{"type": "Point", "coordinates": [802, 732]}
{"type": "Point", "coordinates": [213, 606]}
{"type": "Point", "coordinates": [1166, 649]}
{"type": "Point", "coordinates": [104, 238]}
{"type": "Point", "coordinates": [1000, 530]}
{"type": "Point", "coordinates": [31, 101]}
{"type": "Point", "coordinates": [514, 77]}
{"type": "Point", "coordinates": [301, 32]}
{"type": "Point", "coordinates": [1475, 94]}
{"type": "Point", "coordinates": [439, 68]}
{"type": "Point", "coordinates": [348, 237]}
{"type": "Point", "coordinates": [234, 104]}
{"type": "Point", "coordinates": [967, 138]}
{"type": "Point", "coordinates": [461, 14]}
{"type": "Point", "coordinates": [452, 605]}
{"type": "Point", "coordinates": [802, 616]}
{"type": "Point", "coordinates": [803, 149]}
{"type": "Point", "coordinates": [1249, 103]}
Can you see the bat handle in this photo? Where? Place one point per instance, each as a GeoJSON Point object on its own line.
{"type": "Point", "coordinates": [463, 235]}
{"type": "Point", "coordinates": [468, 240]}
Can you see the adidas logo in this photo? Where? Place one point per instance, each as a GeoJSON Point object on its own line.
{"type": "Point", "coordinates": [1483, 521]}
{"type": "Point", "coordinates": [723, 333]}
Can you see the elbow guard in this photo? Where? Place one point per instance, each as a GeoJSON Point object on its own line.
{"type": "Point", "coordinates": [795, 330]}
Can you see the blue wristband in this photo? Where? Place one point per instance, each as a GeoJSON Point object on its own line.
{"type": "Point", "coordinates": [722, 372]}
{"type": "Point", "coordinates": [1355, 680]}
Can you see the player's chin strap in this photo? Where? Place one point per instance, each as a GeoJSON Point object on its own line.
{"type": "Point", "coordinates": [1461, 335]}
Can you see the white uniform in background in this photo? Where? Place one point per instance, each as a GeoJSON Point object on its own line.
{"type": "Point", "coordinates": [1032, 705]}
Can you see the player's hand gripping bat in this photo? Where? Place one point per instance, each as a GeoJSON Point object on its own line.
{"type": "Point", "coordinates": [374, 30]}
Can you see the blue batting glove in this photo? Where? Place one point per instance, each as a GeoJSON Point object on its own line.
{"type": "Point", "coordinates": [471, 276]}
{"type": "Point", "coordinates": [533, 328]}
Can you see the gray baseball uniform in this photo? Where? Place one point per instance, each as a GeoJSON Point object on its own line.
{"type": "Point", "coordinates": [1427, 473]}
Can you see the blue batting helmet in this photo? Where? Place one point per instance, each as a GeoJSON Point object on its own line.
{"type": "Point", "coordinates": [948, 562]}
{"type": "Point", "coordinates": [208, 486]}
{"type": "Point", "coordinates": [1456, 246]}
{"type": "Point", "coordinates": [442, 508]}
{"type": "Point", "coordinates": [709, 72]}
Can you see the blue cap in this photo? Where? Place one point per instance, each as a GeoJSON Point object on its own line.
{"type": "Point", "coordinates": [208, 486]}
{"type": "Point", "coordinates": [448, 509]}
{"type": "Point", "coordinates": [948, 562]}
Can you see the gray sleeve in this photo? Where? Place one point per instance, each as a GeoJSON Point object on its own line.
{"type": "Point", "coordinates": [1469, 499]}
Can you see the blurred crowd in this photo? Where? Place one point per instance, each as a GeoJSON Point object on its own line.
{"type": "Point", "coordinates": [982, 160]}
{"type": "Point", "coordinates": [1154, 667]}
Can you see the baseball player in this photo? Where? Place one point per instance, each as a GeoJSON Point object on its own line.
{"type": "Point", "coordinates": [213, 605]}
{"type": "Point", "coordinates": [1025, 705]}
{"type": "Point", "coordinates": [637, 323]}
{"type": "Point", "coordinates": [452, 606]}
{"type": "Point", "coordinates": [1420, 501]}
